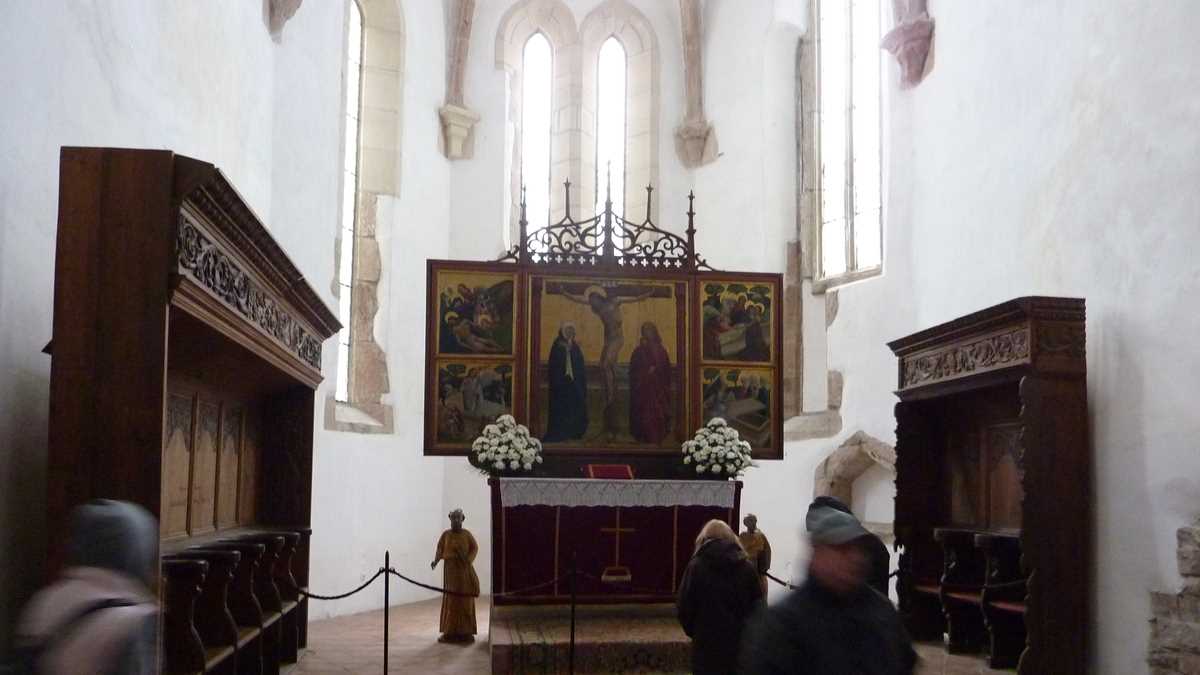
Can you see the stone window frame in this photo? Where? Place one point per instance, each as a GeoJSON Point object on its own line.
{"type": "Point", "coordinates": [575, 51]}
{"type": "Point", "coordinates": [621, 20]}
{"type": "Point", "coordinates": [554, 20]}
{"type": "Point", "coordinates": [808, 63]}
{"type": "Point", "coordinates": [378, 179]}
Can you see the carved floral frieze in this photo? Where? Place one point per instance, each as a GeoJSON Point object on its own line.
{"type": "Point", "coordinates": [200, 258]}
{"type": "Point", "coordinates": [988, 353]}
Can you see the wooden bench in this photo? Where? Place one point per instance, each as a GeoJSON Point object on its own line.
{"type": "Point", "coordinates": [1003, 598]}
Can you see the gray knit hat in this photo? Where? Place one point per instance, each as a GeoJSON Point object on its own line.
{"type": "Point", "coordinates": [829, 526]}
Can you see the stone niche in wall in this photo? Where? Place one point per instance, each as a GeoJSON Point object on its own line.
{"type": "Point", "coordinates": [835, 476]}
{"type": "Point", "coordinates": [1175, 624]}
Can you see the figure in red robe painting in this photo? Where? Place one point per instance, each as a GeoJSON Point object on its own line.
{"type": "Point", "coordinates": [650, 388]}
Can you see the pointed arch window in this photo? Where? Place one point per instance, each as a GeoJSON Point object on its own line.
{"type": "Point", "coordinates": [848, 143]}
{"type": "Point", "coordinates": [611, 104]}
{"type": "Point", "coordinates": [537, 82]}
{"type": "Point", "coordinates": [350, 171]}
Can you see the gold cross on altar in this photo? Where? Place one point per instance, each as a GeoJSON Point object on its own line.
{"type": "Point", "coordinates": [616, 573]}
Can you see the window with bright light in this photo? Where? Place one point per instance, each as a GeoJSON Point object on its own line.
{"type": "Point", "coordinates": [848, 90]}
{"type": "Point", "coordinates": [350, 165]}
{"type": "Point", "coordinates": [610, 126]}
{"type": "Point", "coordinates": [537, 80]}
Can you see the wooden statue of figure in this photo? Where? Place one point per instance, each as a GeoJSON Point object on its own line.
{"type": "Point", "coordinates": [758, 549]}
{"type": "Point", "coordinates": [458, 548]}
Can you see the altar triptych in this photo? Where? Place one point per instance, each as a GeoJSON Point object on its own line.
{"type": "Point", "coordinates": [601, 361]}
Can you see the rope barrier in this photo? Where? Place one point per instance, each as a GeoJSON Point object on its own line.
{"type": "Point", "coordinates": [781, 582]}
{"type": "Point", "coordinates": [314, 596]}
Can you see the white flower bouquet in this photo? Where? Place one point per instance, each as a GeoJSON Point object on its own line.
{"type": "Point", "coordinates": [718, 451]}
{"type": "Point", "coordinates": [505, 447]}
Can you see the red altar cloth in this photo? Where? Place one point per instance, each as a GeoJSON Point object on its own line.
{"type": "Point", "coordinates": [635, 535]}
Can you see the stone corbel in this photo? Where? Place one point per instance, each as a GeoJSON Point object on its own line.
{"type": "Point", "coordinates": [910, 40]}
{"type": "Point", "coordinates": [457, 119]}
{"type": "Point", "coordinates": [277, 14]}
{"type": "Point", "coordinates": [695, 139]}
{"type": "Point", "coordinates": [457, 123]}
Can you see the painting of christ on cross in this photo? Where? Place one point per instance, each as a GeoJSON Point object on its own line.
{"type": "Point", "coordinates": [609, 355]}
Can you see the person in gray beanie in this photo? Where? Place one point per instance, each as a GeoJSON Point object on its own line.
{"type": "Point", "coordinates": [879, 561]}
{"type": "Point", "coordinates": [834, 623]}
{"type": "Point", "coordinates": [100, 615]}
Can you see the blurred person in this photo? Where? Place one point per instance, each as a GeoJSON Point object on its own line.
{"type": "Point", "coordinates": [879, 561]}
{"type": "Point", "coordinates": [719, 592]}
{"type": "Point", "coordinates": [834, 624]}
{"type": "Point", "coordinates": [100, 616]}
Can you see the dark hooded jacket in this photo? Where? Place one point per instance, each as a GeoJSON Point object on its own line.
{"type": "Point", "coordinates": [112, 555]}
{"type": "Point", "coordinates": [814, 631]}
{"type": "Point", "coordinates": [719, 592]}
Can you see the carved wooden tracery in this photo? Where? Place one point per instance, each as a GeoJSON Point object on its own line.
{"type": "Point", "coordinates": [608, 240]}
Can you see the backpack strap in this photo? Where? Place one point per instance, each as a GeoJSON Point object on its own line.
{"type": "Point", "coordinates": [33, 653]}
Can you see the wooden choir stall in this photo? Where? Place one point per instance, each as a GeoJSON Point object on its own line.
{"type": "Point", "coordinates": [613, 340]}
{"type": "Point", "coordinates": [993, 485]}
{"type": "Point", "coordinates": [185, 357]}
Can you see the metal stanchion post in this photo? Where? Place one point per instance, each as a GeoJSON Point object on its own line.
{"type": "Point", "coordinates": [571, 648]}
{"type": "Point", "coordinates": [387, 578]}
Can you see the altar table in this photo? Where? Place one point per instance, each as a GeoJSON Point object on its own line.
{"type": "Point", "coordinates": [631, 539]}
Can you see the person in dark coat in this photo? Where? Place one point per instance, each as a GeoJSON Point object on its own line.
{"type": "Point", "coordinates": [835, 624]}
{"type": "Point", "coordinates": [718, 594]}
{"type": "Point", "coordinates": [879, 561]}
{"type": "Point", "coordinates": [112, 559]}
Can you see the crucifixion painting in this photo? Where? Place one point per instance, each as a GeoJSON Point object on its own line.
{"type": "Point", "coordinates": [611, 360]}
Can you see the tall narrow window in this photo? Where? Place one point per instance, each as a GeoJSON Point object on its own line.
{"type": "Point", "coordinates": [537, 72]}
{"type": "Point", "coordinates": [849, 138]}
{"type": "Point", "coordinates": [349, 196]}
{"type": "Point", "coordinates": [610, 126]}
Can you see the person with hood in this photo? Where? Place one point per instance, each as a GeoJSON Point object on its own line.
{"type": "Point", "coordinates": [879, 561]}
{"type": "Point", "coordinates": [100, 615]}
{"type": "Point", "coordinates": [835, 622]}
{"type": "Point", "coordinates": [718, 593]}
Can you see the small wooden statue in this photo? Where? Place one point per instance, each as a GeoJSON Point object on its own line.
{"type": "Point", "coordinates": [458, 548]}
{"type": "Point", "coordinates": [758, 549]}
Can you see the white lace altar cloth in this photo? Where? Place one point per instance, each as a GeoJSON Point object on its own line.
{"type": "Point", "coordinates": [596, 492]}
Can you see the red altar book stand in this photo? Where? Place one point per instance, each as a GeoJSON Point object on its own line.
{"type": "Point", "coordinates": [610, 471]}
{"type": "Point", "coordinates": [631, 539]}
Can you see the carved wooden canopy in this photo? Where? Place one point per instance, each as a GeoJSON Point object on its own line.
{"type": "Point", "coordinates": [1036, 333]}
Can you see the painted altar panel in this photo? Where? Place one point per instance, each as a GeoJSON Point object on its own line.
{"type": "Point", "coordinates": [610, 362]}
{"type": "Point", "coordinates": [738, 323]}
{"type": "Point", "coordinates": [474, 341]}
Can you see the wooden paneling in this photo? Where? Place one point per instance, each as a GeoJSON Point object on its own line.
{"type": "Point", "coordinates": [227, 467]}
{"type": "Point", "coordinates": [177, 466]}
{"type": "Point", "coordinates": [202, 517]}
{"type": "Point", "coordinates": [248, 479]}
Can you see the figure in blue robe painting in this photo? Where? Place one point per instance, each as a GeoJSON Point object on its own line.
{"type": "Point", "coordinates": [568, 415]}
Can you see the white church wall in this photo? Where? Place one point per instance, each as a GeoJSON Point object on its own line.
{"type": "Point", "coordinates": [1052, 157]}
{"type": "Point", "coordinates": [191, 77]}
{"type": "Point", "coordinates": [372, 492]}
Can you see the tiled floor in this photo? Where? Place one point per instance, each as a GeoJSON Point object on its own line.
{"type": "Point", "coordinates": [354, 644]}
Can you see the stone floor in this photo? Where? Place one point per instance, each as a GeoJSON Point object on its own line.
{"type": "Point", "coordinates": [354, 644]}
